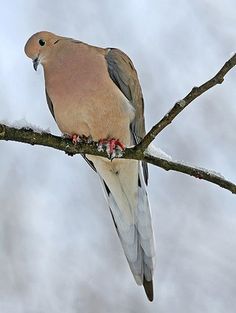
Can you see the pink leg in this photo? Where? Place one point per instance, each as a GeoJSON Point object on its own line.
{"type": "Point", "coordinates": [74, 138]}
{"type": "Point", "coordinates": [80, 138]}
{"type": "Point", "coordinates": [113, 147]}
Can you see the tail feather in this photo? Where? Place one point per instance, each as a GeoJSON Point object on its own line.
{"type": "Point", "coordinates": [148, 287]}
{"type": "Point", "coordinates": [135, 227]}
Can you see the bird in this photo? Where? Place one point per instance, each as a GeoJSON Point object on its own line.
{"type": "Point", "coordinates": [94, 92]}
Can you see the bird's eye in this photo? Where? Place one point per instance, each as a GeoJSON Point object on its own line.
{"type": "Point", "coordinates": [41, 42]}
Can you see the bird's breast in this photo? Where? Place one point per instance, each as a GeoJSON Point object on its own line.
{"type": "Point", "coordinates": [87, 102]}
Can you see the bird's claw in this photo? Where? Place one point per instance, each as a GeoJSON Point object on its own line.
{"type": "Point", "coordinates": [80, 139]}
{"type": "Point", "coordinates": [75, 138]}
{"type": "Point", "coordinates": [113, 147]}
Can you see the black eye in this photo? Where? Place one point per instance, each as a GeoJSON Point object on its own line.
{"type": "Point", "coordinates": [41, 42]}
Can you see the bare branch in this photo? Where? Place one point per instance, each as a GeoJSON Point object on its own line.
{"type": "Point", "coordinates": [182, 104]}
{"type": "Point", "coordinates": [200, 173]}
{"type": "Point", "coordinates": [29, 136]}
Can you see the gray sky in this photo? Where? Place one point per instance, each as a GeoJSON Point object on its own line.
{"type": "Point", "coordinates": [59, 251]}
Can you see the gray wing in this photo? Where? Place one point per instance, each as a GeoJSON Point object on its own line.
{"type": "Point", "coordinates": [50, 105]}
{"type": "Point", "coordinates": [124, 75]}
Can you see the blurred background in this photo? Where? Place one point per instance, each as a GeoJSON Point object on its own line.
{"type": "Point", "coordinates": [59, 251]}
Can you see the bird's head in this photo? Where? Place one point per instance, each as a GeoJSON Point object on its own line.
{"type": "Point", "coordinates": [39, 46]}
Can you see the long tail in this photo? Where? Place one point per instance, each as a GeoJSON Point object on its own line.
{"type": "Point", "coordinates": [125, 191]}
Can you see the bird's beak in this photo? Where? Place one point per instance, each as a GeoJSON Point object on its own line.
{"type": "Point", "coordinates": [35, 63]}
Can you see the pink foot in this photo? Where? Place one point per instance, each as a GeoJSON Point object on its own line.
{"type": "Point", "coordinates": [75, 138]}
{"type": "Point", "coordinates": [113, 147]}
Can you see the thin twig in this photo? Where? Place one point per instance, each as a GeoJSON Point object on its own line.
{"type": "Point", "coordinates": [182, 104]}
{"type": "Point", "coordinates": [197, 172]}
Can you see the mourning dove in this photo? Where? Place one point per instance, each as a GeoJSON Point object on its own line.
{"type": "Point", "coordinates": [95, 92]}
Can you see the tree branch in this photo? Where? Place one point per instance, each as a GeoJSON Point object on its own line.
{"type": "Point", "coordinates": [182, 104]}
{"type": "Point", "coordinates": [197, 172]}
{"type": "Point", "coordinates": [27, 135]}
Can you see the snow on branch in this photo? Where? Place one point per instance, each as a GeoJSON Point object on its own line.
{"type": "Point", "coordinates": [142, 151]}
